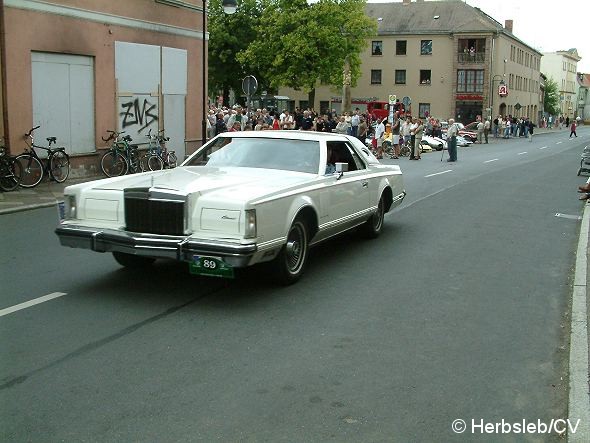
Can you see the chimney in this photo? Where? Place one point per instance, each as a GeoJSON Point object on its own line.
{"type": "Point", "coordinates": [508, 24]}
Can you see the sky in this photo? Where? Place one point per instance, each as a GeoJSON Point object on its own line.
{"type": "Point", "coordinates": [546, 25]}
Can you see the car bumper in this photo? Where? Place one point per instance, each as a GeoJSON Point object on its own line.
{"type": "Point", "coordinates": [160, 246]}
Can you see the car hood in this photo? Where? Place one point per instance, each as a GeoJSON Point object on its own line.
{"type": "Point", "coordinates": [231, 183]}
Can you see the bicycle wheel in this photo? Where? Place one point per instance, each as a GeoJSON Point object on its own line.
{"type": "Point", "coordinates": [172, 160]}
{"type": "Point", "coordinates": [10, 174]}
{"type": "Point", "coordinates": [113, 164]}
{"type": "Point", "coordinates": [133, 161]}
{"type": "Point", "coordinates": [155, 163]}
{"type": "Point", "coordinates": [59, 166]}
{"type": "Point", "coordinates": [32, 170]}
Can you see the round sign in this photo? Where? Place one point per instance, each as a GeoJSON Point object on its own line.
{"type": "Point", "coordinates": [407, 101]}
{"type": "Point", "coordinates": [249, 85]}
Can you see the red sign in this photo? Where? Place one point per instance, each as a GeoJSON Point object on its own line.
{"type": "Point", "coordinates": [503, 90]}
{"type": "Point", "coordinates": [470, 97]}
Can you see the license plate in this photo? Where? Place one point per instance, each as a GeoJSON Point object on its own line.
{"type": "Point", "coordinates": [212, 266]}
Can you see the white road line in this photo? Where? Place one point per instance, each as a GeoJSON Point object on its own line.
{"type": "Point", "coordinates": [522, 153]}
{"type": "Point", "coordinates": [544, 147]}
{"type": "Point", "coordinates": [30, 303]}
{"type": "Point", "coordinates": [438, 173]}
{"type": "Point", "coordinates": [558, 143]}
{"type": "Point", "coordinates": [493, 160]}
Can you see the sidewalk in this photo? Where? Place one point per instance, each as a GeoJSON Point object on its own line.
{"type": "Point", "coordinates": [46, 194]}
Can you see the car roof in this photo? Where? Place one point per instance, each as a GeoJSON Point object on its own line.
{"type": "Point", "coordinates": [287, 134]}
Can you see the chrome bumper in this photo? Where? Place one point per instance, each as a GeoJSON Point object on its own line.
{"type": "Point", "coordinates": [150, 245]}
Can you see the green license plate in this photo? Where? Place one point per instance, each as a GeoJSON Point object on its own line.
{"type": "Point", "coordinates": [212, 266]}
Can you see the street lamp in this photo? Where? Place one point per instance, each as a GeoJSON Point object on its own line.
{"type": "Point", "coordinates": [501, 82]}
{"type": "Point", "coordinates": [229, 7]}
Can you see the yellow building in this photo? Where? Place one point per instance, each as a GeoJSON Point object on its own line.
{"type": "Point", "coordinates": [448, 58]}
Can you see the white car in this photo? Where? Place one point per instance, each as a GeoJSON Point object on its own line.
{"type": "Point", "coordinates": [434, 142]}
{"type": "Point", "coordinates": [241, 199]}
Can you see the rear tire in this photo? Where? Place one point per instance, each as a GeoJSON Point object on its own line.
{"type": "Point", "coordinates": [133, 261]}
{"type": "Point", "coordinates": [292, 259]}
{"type": "Point", "coordinates": [155, 163]}
{"type": "Point", "coordinates": [374, 225]}
{"type": "Point", "coordinates": [113, 164]}
{"type": "Point", "coordinates": [59, 166]}
{"type": "Point", "coordinates": [32, 170]}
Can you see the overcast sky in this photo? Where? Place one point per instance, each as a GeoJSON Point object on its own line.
{"type": "Point", "coordinates": [545, 25]}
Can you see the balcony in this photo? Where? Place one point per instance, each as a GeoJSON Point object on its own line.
{"type": "Point", "coordinates": [471, 57]}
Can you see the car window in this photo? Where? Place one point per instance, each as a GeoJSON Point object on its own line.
{"type": "Point", "coordinates": [342, 152]}
{"type": "Point", "coordinates": [252, 152]}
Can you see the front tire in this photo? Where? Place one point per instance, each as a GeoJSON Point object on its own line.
{"type": "Point", "coordinates": [133, 261]}
{"type": "Point", "coordinates": [374, 225]}
{"type": "Point", "coordinates": [10, 175]}
{"type": "Point", "coordinates": [292, 259]}
{"type": "Point", "coordinates": [32, 170]}
{"type": "Point", "coordinates": [113, 164]}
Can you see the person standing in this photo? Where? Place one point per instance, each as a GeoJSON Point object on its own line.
{"type": "Point", "coordinates": [567, 121]}
{"type": "Point", "coordinates": [341, 126]}
{"type": "Point", "coordinates": [418, 132]}
{"type": "Point", "coordinates": [496, 123]}
{"type": "Point", "coordinates": [379, 131]}
{"type": "Point", "coordinates": [486, 129]}
{"type": "Point", "coordinates": [452, 140]}
{"type": "Point", "coordinates": [573, 129]}
{"type": "Point", "coordinates": [480, 128]}
{"type": "Point", "coordinates": [530, 127]}
{"type": "Point", "coordinates": [363, 130]}
{"type": "Point", "coordinates": [355, 121]}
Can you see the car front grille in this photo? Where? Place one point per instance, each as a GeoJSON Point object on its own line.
{"type": "Point", "coordinates": [160, 215]}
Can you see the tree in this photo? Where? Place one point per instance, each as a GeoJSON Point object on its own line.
{"type": "Point", "coordinates": [228, 35]}
{"type": "Point", "coordinates": [299, 44]}
{"type": "Point", "coordinates": [551, 102]}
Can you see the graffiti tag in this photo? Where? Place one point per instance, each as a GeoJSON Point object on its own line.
{"type": "Point", "coordinates": [136, 113]}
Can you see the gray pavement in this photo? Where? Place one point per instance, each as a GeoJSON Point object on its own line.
{"type": "Point", "coordinates": [49, 193]}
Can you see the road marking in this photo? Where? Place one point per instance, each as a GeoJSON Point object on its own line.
{"type": "Point", "coordinates": [30, 303]}
{"type": "Point", "coordinates": [522, 153]}
{"type": "Point", "coordinates": [558, 143]}
{"type": "Point", "coordinates": [493, 160]}
{"type": "Point", "coordinates": [544, 147]}
{"type": "Point", "coordinates": [438, 173]}
{"type": "Point", "coordinates": [571, 217]}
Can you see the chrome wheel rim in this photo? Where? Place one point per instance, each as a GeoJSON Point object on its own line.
{"type": "Point", "coordinates": [378, 218]}
{"type": "Point", "coordinates": [296, 248]}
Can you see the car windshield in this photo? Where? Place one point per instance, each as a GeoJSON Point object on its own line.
{"type": "Point", "coordinates": [267, 153]}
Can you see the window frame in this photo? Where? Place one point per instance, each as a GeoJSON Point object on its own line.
{"type": "Point", "coordinates": [397, 47]}
{"type": "Point", "coordinates": [423, 80]}
{"type": "Point", "coordinates": [421, 113]}
{"type": "Point", "coordinates": [405, 76]}
{"type": "Point", "coordinates": [377, 44]}
{"type": "Point", "coordinates": [375, 71]}
{"type": "Point", "coordinates": [422, 47]}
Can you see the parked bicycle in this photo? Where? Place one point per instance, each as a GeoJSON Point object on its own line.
{"type": "Point", "coordinates": [57, 165]}
{"type": "Point", "coordinates": [10, 171]}
{"type": "Point", "coordinates": [157, 155]}
{"type": "Point", "coordinates": [121, 158]}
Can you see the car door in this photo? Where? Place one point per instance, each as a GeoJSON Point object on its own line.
{"type": "Point", "coordinates": [345, 199]}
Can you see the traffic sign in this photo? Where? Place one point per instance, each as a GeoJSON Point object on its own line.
{"type": "Point", "coordinates": [503, 90]}
{"type": "Point", "coordinates": [392, 99]}
{"type": "Point", "coordinates": [517, 106]}
{"type": "Point", "coordinates": [407, 101]}
{"type": "Point", "coordinates": [249, 85]}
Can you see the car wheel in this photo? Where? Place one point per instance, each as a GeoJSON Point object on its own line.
{"type": "Point", "coordinates": [133, 261]}
{"type": "Point", "coordinates": [291, 260]}
{"type": "Point", "coordinates": [374, 225]}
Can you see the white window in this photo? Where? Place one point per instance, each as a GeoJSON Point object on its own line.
{"type": "Point", "coordinates": [63, 100]}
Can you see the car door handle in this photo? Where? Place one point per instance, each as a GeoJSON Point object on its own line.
{"type": "Point", "coordinates": [365, 184]}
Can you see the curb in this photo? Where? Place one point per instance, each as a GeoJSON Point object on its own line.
{"type": "Point", "coordinates": [28, 207]}
{"type": "Point", "coordinates": [579, 398]}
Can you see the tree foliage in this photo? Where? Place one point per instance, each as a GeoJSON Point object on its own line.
{"type": "Point", "coordinates": [299, 44]}
{"type": "Point", "coordinates": [551, 103]}
{"type": "Point", "coordinates": [228, 35]}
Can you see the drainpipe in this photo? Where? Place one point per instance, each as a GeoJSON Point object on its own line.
{"type": "Point", "coordinates": [3, 76]}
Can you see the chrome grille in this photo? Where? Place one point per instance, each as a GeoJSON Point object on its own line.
{"type": "Point", "coordinates": [144, 213]}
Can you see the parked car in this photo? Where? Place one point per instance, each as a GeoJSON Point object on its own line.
{"type": "Point", "coordinates": [241, 199]}
{"type": "Point", "coordinates": [468, 131]}
{"type": "Point", "coordinates": [434, 142]}
{"type": "Point", "coordinates": [463, 141]}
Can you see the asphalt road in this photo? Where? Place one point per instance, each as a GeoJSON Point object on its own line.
{"type": "Point", "coordinates": [458, 311]}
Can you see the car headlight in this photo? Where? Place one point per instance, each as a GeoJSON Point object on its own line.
{"type": "Point", "coordinates": [70, 206]}
{"type": "Point", "coordinates": [250, 228]}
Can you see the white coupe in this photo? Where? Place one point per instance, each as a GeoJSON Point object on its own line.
{"type": "Point", "coordinates": [241, 199]}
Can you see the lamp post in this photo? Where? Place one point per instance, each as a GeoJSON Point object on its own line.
{"type": "Point", "coordinates": [494, 80]}
{"type": "Point", "coordinates": [229, 7]}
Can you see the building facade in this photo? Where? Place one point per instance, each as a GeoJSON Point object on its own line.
{"type": "Point", "coordinates": [79, 68]}
{"type": "Point", "coordinates": [583, 98]}
{"type": "Point", "coordinates": [448, 58]}
{"type": "Point", "coordinates": [561, 66]}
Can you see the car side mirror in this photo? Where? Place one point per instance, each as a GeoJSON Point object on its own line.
{"type": "Point", "coordinates": [341, 167]}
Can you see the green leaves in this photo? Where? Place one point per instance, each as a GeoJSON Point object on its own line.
{"type": "Point", "coordinates": [288, 42]}
{"type": "Point", "coordinates": [551, 102]}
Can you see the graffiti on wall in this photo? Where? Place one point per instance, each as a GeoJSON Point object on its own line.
{"type": "Point", "coordinates": [138, 113]}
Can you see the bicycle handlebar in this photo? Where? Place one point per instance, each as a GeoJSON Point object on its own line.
{"type": "Point", "coordinates": [114, 134]}
{"type": "Point", "coordinates": [28, 134]}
